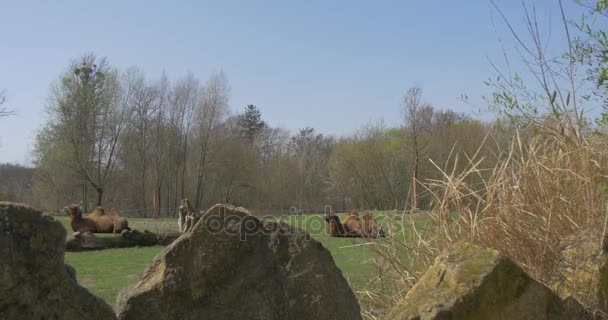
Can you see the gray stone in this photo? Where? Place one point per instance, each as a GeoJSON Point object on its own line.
{"type": "Point", "coordinates": [34, 281]}
{"type": "Point", "coordinates": [234, 266]}
{"type": "Point", "coordinates": [470, 282]}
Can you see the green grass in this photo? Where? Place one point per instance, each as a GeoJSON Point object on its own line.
{"type": "Point", "coordinates": [106, 272]}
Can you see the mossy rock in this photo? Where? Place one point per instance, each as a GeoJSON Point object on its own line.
{"type": "Point", "coordinates": [34, 281]}
{"type": "Point", "coordinates": [470, 282]}
{"type": "Point", "coordinates": [234, 266]}
{"type": "Point", "coordinates": [582, 271]}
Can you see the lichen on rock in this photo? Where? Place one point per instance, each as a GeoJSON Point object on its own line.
{"type": "Point", "coordinates": [470, 282]}
{"type": "Point", "coordinates": [582, 271]}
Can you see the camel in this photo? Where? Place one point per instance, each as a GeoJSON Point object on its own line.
{"type": "Point", "coordinates": [334, 226]}
{"type": "Point", "coordinates": [352, 223]}
{"type": "Point", "coordinates": [77, 222]}
{"type": "Point", "coordinates": [98, 221]}
{"type": "Point", "coordinates": [353, 226]}
{"type": "Point", "coordinates": [370, 227]}
{"type": "Point", "coordinates": [187, 217]}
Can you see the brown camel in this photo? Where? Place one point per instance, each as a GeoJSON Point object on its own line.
{"type": "Point", "coordinates": [334, 226]}
{"type": "Point", "coordinates": [98, 221]}
{"type": "Point", "coordinates": [371, 228]}
{"type": "Point", "coordinates": [353, 226]}
{"type": "Point", "coordinates": [187, 216]}
{"type": "Point", "coordinates": [77, 222]}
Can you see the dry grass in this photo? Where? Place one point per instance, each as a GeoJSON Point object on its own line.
{"type": "Point", "coordinates": [521, 202]}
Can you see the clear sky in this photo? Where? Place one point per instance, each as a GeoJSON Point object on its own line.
{"type": "Point", "coordinates": [333, 65]}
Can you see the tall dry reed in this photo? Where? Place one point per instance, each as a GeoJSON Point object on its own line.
{"type": "Point", "coordinates": [523, 201]}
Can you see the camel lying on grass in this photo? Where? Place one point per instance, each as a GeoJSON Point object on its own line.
{"type": "Point", "coordinates": [98, 221]}
{"type": "Point", "coordinates": [353, 226]}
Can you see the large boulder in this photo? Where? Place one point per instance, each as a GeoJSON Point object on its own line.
{"type": "Point", "coordinates": [582, 270]}
{"type": "Point", "coordinates": [470, 282]}
{"type": "Point", "coordinates": [234, 266]}
{"type": "Point", "coordinates": [34, 281]}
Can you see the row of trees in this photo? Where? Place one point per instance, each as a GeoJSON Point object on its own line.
{"type": "Point", "coordinates": [16, 183]}
{"type": "Point", "coordinates": [116, 138]}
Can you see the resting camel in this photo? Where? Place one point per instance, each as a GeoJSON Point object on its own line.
{"type": "Point", "coordinates": [334, 227]}
{"type": "Point", "coordinates": [98, 221]}
{"type": "Point", "coordinates": [353, 226]}
{"type": "Point", "coordinates": [370, 227]}
{"type": "Point", "coordinates": [352, 223]}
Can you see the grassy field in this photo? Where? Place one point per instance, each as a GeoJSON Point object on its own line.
{"type": "Point", "coordinates": [106, 272]}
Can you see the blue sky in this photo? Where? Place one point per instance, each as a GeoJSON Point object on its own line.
{"type": "Point", "coordinates": [332, 65]}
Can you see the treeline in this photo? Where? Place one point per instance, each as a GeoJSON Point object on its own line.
{"type": "Point", "coordinates": [119, 139]}
{"type": "Point", "coordinates": [16, 183]}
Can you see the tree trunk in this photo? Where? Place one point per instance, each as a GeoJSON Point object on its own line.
{"type": "Point", "coordinates": [156, 201]}
{"type": "Point", "coordinates": [84, 196]}
{"type": "Point", "coordinates": [416, 160]}
{"type": "Point", "coordinates": [199, 184]}
{"type": "Point", "coordinates": [176, 191]}
{"type": "Point", "coordinates": [99, 196]}
{"type": "Point", "coordinates": [199, 191]}
{"type": "Point", "coordinates": [185, 160]}
{"type": "Point", "coordinates": [143, 190]}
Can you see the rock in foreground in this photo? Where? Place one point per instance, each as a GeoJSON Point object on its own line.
{"type": "Point", "coordinates": [470, 282]}
{"type": "Point", "coordinates": [34, 281]}
{"type": "Point", "coordinates": [234, 266]}
{"type": "Point", "coordinates": [583, 270]}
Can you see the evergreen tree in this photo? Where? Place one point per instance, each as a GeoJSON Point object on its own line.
{"type": "Point", "coordinates": [251, 122]}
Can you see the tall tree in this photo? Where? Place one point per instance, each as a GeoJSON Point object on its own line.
{"type": "Point", "coordinates": [144, 105]}
{"type": "Point", "coordinates": [417, 118]}
{"type": "Point", "coordinates": [159, 143]}
{"type": "Point", "coordinates": [184, 98]}
{"type": "Point", "coordinates": [88, 112]}
{"type": "Point", "coordinates": [211, 110]}
{"type": "Point", "coordinates": [310, 151]}
{"type": "Point", "coordinates": [251, 122]}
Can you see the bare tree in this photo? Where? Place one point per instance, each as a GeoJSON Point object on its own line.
{"type": "Point", "coordinates": [144, 106]}
{"type": "Point", "coordinates": [159, 142]}
{"type": "Point", "coordinates": [310, 153]}
{"type": "Point", "coordinates": [183, 100]}
{"type": "Point", "coordinates": [212, 108]}
{"type": "Point", "coordinates": [417, 119]}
